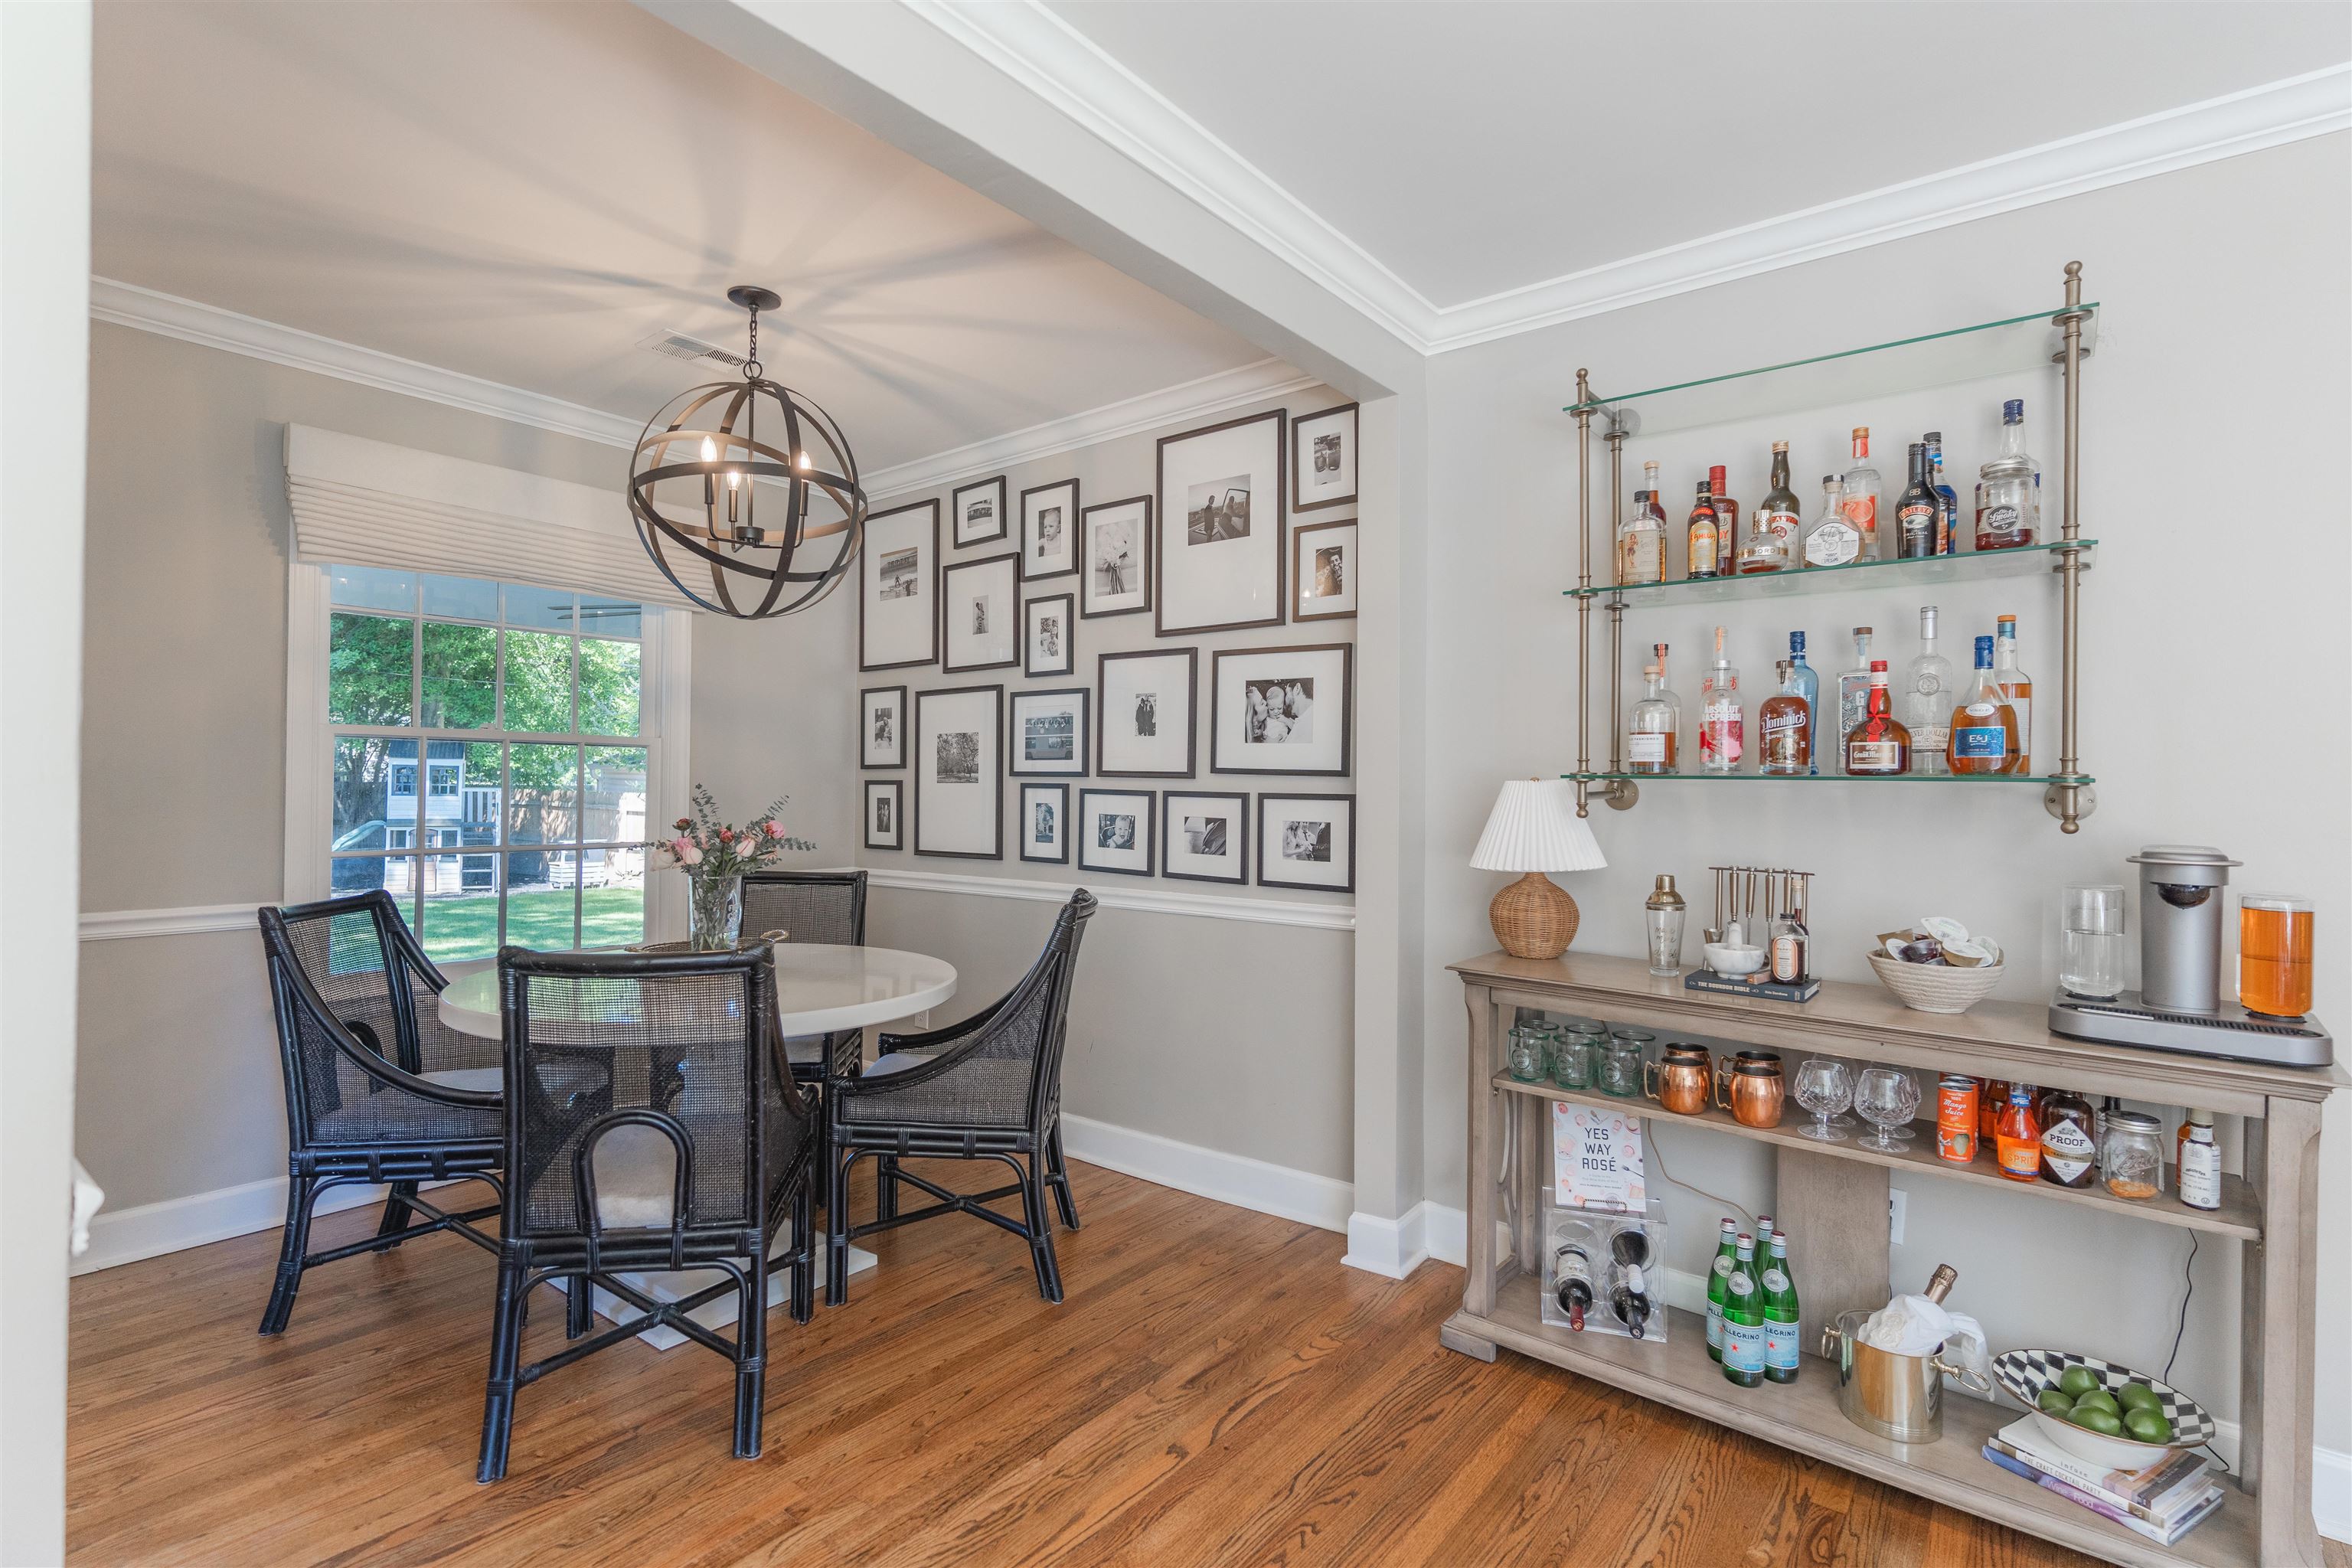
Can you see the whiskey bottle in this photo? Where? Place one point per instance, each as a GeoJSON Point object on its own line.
{"type": "Point", "coordinates": [2016, 686]}
{"type": "Point", "coordinates": [2008, 488]}
{"type": "Point", "coordinates": [1722, 726]}
{"type": "Point", "coordinates": [1786, 720]}
{"type": "Point", "coordinates": [1651, 738]}
{"type": "Point", "coordinates": [1860, 498]}
{"type": "Point", "coordinates": [1948, 500]}
{"type": "Point", "coordinates": [1984, 733]}
{"type": "Point", "coordinates": [1642, 537]}
{"type": "Point", "coordinates": [1726, 520]}
{"type": "Point", "coordinates": [1879, 746]}
{"type": "Point", "coordinates": [1927, 702]}
{"type": "Point", "coordinates": [2069, 1157]}
{"type": "Point", "coordinates": [1914, 512]}
{"type": "Point", "coordinates": [1704, 530]}
{"type": "Point", "coordinates": [1852, 693]}
{"type": "Point", "coordinates": [1832, 540]}
{"type": "Point", "coordinates": [1772, 537]}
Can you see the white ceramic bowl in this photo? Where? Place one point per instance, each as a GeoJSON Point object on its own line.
{"type": "Point", "coordinates": [1734, 962]}
{"type": "Point", "coordinates": [2025, 1374]}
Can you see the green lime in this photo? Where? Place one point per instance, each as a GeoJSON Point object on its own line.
{"type": "Point", "coordinates": [2132, 1396]}
{"type": "Point", "coordinates": [2093, 1419]}
{"type": "Point", "coordinates": [2147, 1423]}
{"type": "Point", "coordinates": [2078, 1381]}
{"type": "Point", "coordinates": [2054, 1401]}
{"type": "Point", "coordinates": [2100, 1399]}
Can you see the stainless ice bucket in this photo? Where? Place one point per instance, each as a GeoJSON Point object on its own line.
{"type": "Point", "coordinates": [1900, 1397]}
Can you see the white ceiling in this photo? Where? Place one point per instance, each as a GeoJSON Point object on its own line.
{"type": "Point", "coordinates": [521, 192]}
{"type": "Point", "coordinates": [1472, 147]}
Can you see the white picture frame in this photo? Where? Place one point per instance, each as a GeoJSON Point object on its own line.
{"type": "Point", "coordinates": [898, 585]}
{"type": "Point", "coordinates": [882, 727]}
{"type": "Point", "coordinates": [1049, 531]}
{"type": "Point", "coordinates": [1323, 570]}
{"type": "Point", "coordinates": [1115, 830]}
{"type": "Point", "coordinates": [979, 513]}
{"type": "Point", "coordinates": [1049, 636]}
{"type": "Point", "coordinates": [1115, 558]}
{"type": "Point", "coordinates": [960, 772]}
{"type": "Point", "coordinates": [1220, 494]}
{"type": "Point", "coordinates": [1143, 717]}
{"type": "Point", "coordinates": [1283, 711]}
{"type": "Point", "coordinates": [1044, 824]}
{"type": "Point", "coordinates": [1306, 841]}
{"type": "Point", "coordinates": [980, 602]}
{"type": "Point", "coordinates": [1323, 459]}
{"type": "Point", "coordinates": [1048, 736]}
{"type": "Point", "coordinates": [886, 814]}
{"type": "Point", "coordinates": [1204, 836]}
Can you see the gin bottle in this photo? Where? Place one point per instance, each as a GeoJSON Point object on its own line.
{"type": "Point", "coordinates": [2008, 488]}
{"type": "Point", "coordinates": [1925, 708]}
{"type": "Point", "coordinates": [1832, 540]}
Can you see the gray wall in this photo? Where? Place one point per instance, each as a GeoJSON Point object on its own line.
{"type": "Point", "coordinates": [2214, 421]}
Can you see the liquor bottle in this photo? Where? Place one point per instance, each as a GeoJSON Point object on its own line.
{"type": "Point", "coordinates": [1573, 1288]}
{"type": "Point", "coordinates": [1948, 500]}
{"type": "Point", "coordinates": [1630, 1300]}
{"type": "Point", "coordinates": [1914, 512]}
{"type": "Point", "coordinates": [1703, 531]}
{"type": "Point", "coordinates": [1860, 498]}
{"type": "Point", "coordinates": [1993, 1098]}
{"type": "Point", "coordinates": [1781, 1341]}
{"type": "Point", "coordinates": [1743, 1318]}
{"type": "Point", "coordinates": [2008, 488]}
{"type": "Point", "coordinates": [1722, 732]}
{"type": "Point", "coordinates": [2197, 1179]}
{"type": "Point", "coordinates": [1927, 701]}
{"type": "Point", "coordinates": [1726, 1253]}
{"type": "Point", "coordinates": [1726, 520]}
{"type": "Point", "coordinates": [1651, 738]}
{"type": "Point", "coordinates": [1791, 947]}
{"type": "Point", "coordinates": [1642, 537]}
{"type": "Point", "coordinates": [1808, 686]}
{"type": "Point", "coordinates": [1785, 720]}
{"type": "Point", "coordinates": [1984, 733]}
{"type": "Point", "coordinates": [1772, 537]}
{"type": "Point", "coordinates": [1879, 746]}
{"type": "Point", "coordinates": [1852, 693]}
{"type": "Point", "coordinates": [2016, 689]}
{"type": "Point", "coordinates": [1832, 540]}
{"type": "Point", "coordinates": [2069, 1156]}
{"type": "Point", "coordinates": [2017, 1136]}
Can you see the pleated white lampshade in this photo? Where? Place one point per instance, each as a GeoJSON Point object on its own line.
{"type": "Point", "coordinates": [1534, 827]}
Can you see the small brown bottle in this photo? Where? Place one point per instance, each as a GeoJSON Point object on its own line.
{"type": "Point", "coordinates": [2069, 1151]}
{"type": "Point", "coordinates": [1704, 530]}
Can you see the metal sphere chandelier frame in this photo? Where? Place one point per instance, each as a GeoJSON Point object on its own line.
{"type": "Point", "coordinates": [705, 445]}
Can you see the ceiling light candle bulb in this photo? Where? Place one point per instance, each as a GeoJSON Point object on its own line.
{"type": "Point", "coordinates": [710, 494]}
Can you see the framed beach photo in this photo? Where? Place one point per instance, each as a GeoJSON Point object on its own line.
{"type": "Point", "coordinates": [1204, 837]}
{"type": "Point", "coordinates": [980, 602]}
{"type": "Point", "coordinates": [1044, 823]}
{"type": "Point", "coordinates": [1047, 646]}
{"type": "Point", "coordinates": [978, 512]}
{"type": "Point", "coordinates": [1281, 709]}
{"type": "Point", "coordinates": [886, 814]}
{"type": "Point", "coordinates": [897, 623]}
{"type": "Point", "coordinates": [1145, 715]}
{"type": "Point", "coordinates": [1306, 841]}
{"type": "Point", "coordinates": [1115, 553]}
{"type": "Point", "coordinates": [1323, 570]}
{"type": "Point", "coordinates": [960, 772]}
{"type": "Point", "coordinates": [882, 727]}
{"type": "Point", "coordinates": [1323, 459]}
{"type": "Point", "coordinates": [1049, 732]}
{"type": "Point", "coordinates": [1220, 494]}
{"type": "Point", "coordinates": [1115, 831]}
{"type": "Point", "coordinates": [1049, 529]}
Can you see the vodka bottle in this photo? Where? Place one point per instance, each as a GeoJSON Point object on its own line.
{"type": "Point", "coordinates": [1925, 708]}
{"type": "Point", "coordinates": [1722, 734]}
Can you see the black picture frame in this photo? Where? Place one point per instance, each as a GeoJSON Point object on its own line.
{"type": "Point", "coordinates": [895, 792]}
{"type": "Point", "coordinates": [865, 726]}
{"type": "Point", "coordinates": [1176, 523]}
{"type": "Point", "coordinates": [1151, 816]}
{"type": "Point", "coordinates": [1274, 798]}
{"type": "Point", "coordinates": [1072, 510]}
{"type": "Point", "coordinates": [1192, 658]}
{"type": "Point", "coordinates": [1301, 535]}
{"type": "Point", "coordinates": [931, 617]}
{"type": "Point", "coordinates": [1306, 421]}
{"type": "Point", "coordinates": [993, 773]}
{"type": "Point", "coordinates": [1241, 852]}
{"type": "Point", "coordinates": [1029, 607]}
{"type": "Point", "coordinates": [1013, 767]}
{"type": "Point", "coordinates": [1061, 796]}
{"type": "Point", "coordinates": [1144, 553]}
{"type": "Point", "coordinates": [1009, 565]}
{"type": "Point", "coordinates": [955, 511]}
{"type": "Point", "coordinates": [1347, 652]}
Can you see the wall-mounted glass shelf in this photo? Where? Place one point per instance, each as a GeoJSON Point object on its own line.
{"type": "Point", "coordinates": [2025, 561]}
{"type": "Point", "coordinates": [2009, 346]}
{"type": "Point", "coordinates": [2043, 780]}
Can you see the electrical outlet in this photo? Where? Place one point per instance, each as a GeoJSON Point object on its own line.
{"type": "Point", "coordinates": [1894, 1197]}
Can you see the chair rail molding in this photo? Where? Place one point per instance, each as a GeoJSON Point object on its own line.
{"type": "Point", "coordinates": [1208, 906]}
{"type": "Point", "coordinates": [189, 920]}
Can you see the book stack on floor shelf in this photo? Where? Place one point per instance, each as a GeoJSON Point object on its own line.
{"type": "Point", "coordinates": [2163, 1502]}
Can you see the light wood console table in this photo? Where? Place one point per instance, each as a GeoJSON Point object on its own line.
{"type": "Point", "coordinates": [1832, 1198]}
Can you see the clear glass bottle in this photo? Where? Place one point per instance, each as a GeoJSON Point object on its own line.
{"type": "Point", "coordinates": [1861, 499]}
{"type": "Point", "coordinates": [1772, 535]}
{"type": "Point", "coordinates": [2016, 689]}
{"type": "Point", "coordinates": [1642, 536]}
{"type": "Point", "coordinates": [1784, 722]}
{"type": "Point", "coordinates": [1652, 738]}
{"type": "Point", "coordinates": [1853, 691]}
{"type": "Point", "coordinates": [1982, 738]}
{"type": "Point", "coordinates": [1947, 499]}
{"type": "Point", "coordinates": [1722, 736]}
{"type": "Point", "coordinates": [1832, 540]}
{"type": "Point", "coordinates": [1879, 746]}
{"type": "Point", "coordinates": [1808, 686]}
{"type": "Point", "coordinates": [1925, 705]}
{"type": "Point", "coordinates": [2008, 488]}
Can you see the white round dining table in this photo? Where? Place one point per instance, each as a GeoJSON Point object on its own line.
{"type": "Point", "coordinates": [820, 987]}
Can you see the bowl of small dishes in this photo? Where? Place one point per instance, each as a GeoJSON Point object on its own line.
{"type": "Point", "coordinates": [1935, 966]}
{"type": "Point", "coordinates": [2100, 1412]}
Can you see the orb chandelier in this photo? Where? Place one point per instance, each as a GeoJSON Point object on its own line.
{"type": "Point", "coordinates": [703, 464]}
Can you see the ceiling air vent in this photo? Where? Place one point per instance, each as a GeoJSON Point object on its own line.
{"type": "Point", "coordinates": [680, 345]}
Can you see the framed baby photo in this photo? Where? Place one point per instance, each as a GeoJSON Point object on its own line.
{"type": "Point", "coordinates": [1306, 841]}
{"type": "Point", "coordinates": [1115, 552]}
{"type": "Point", "coordinates": [1047, 646]}
{"type": "Point", "coordinates": [1046, 823]}
{"type": "Point", "coordinates": [1145, 714]}
{"type": "Point", "coordinates": [886, 814]}
{"type": "Point", "coordinates": [882, 727]}
{"type": "Point", "coordinates": [1323, 459]}
{"type": "Point", "coordinates": [1115, 830]}
{"type": "Point", "coordinates": [1323, 570]}
{"type": "Point", "coordinates": [1220, 495]}
{"type": "Point", "coordinates": [981, 601]}
{"type": "Point", "coordinates": [1049, 732]}
{"type": "Point", "coordinates": [1049, 531]}
{"type": "Point", "coordinates": [1281, 709]}
{"type": "Point", "coordinates": [960, 772]}
{"type": "Point", "coordinates": [1204, 837]}
{"type": "Point", "coordinates": [898, 624]}
{"type": "Point", "coordinates": [978, 512]}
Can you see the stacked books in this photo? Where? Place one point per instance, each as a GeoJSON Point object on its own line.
{"type": "Point", "coordinates": [2163, 1502]}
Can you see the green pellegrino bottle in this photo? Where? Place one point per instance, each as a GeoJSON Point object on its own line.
{"type": "Point", "coordinates": [1725, 1254]}
{"type": "Point", "coordinates": [1780, 1337]}
{"type": "Point", "coordinates": [1743, 1318]}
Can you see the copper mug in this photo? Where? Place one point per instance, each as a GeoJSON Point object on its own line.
{"type": "Point", "coordinates": [1751, 1087]}
{"type": "Point", "coordinates": [1680, 1080]}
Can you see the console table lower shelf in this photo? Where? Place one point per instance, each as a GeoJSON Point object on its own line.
{"type": "Point", "coordinates": [1803, 1416]}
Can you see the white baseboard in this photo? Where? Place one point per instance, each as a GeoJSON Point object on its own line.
{"type": "Point", "coordinates": [1392, 1248]}
{"type": "Point", "coordinates": [1235, 1179]}
{"type": "Point", "coordinates": [150, 1230]}
{"type": "Point", "coordinates": [2331, 1492]}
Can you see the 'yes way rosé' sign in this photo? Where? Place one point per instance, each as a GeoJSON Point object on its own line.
{"type": "Point", "coordinates": [1596, 1158]}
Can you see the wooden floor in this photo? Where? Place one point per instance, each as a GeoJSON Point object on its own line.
{"type": "Point", "coordinates": [1217, 1389]}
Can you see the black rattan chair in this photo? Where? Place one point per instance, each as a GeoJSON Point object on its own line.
{"type": "Point", "coordinates": [989, 1088]}
{"type": "Point", "coordinates": [812, 906]}
{"type": "Point", "coordinates": [377, 1089]}
{"type": "Point", "coordinates": [697, 1151]}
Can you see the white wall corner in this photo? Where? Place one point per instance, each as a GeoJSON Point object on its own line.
{"type": "Point", "coordinates": [1392, 1248]}
{"type": "Point", "coordinates": [2331, 1492]}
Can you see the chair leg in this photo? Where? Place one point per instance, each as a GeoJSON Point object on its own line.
{"type": "Point", "coordinates": [580, 1306]}
{"type": "Point", "coordinates": [751, 1354]}
{"type": "Point", "coordinates": [836, 1230]}
{"type": "Point", "coordinates": [1034, 1215]}
{"type": "Point", "coordinates": [886, 1186]}
{"type": "Point", "coordinates": [396, 1212]}
{"type": "Point", "coordinates": [506, 1354]}
{"type": "Point", "coordinates": [301, 1192]}
{"type": "Point", "coordinates": [804, 1279]}
{"type": "Point", "coordinates": [1057, 1176]}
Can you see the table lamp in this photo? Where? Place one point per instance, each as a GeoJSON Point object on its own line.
{"type": "Point", "coordinates": [1534, 828]}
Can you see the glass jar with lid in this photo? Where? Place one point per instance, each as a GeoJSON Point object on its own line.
{"type": "Point", "coordinates": [2131, 1155]}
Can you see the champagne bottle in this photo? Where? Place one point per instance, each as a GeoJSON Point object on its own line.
{"type": "Point", "coordinates": [1780, 1336]}
{"type": "Point", "coordinates": [1725, 1253]}
{"type": "Point", "coordinates": [1743, 1318]}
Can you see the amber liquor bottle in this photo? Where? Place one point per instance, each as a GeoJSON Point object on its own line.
{"type": "Point", "coordinates": [1786, 721]}
{"type": "Point", "coordinates": [1726, 520]}
{"type": "Point", "coordinates": [1879, 746]}
{"type": "Point", "coordinates": [1772, 538]}
{"type": "Point", "coordinates": [1704, 530]}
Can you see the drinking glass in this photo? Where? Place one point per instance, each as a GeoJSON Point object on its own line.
{"type": "Point", "coordinates": [1621, 1069]}
{"type": "Point", "coordinates": [1825, 1088]}
{"type": "Point", "coordinates": [2274, 954]}
{"type": "Point", "coordinates": [1887, 1099]}
{"type": "Point", "coordinates": [1525, 1054]}
{"type": "Point", "coordinates": [2091, 942]}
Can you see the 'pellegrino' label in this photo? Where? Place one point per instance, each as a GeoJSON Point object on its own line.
{"type": "Point", "coordinates": [1743, 1346]}
{"type": "Point", "coordinates": [1780, 1346]}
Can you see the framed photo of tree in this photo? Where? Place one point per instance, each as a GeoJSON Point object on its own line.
{"type": "Point", "coordinates": [1049, 531]}
{"type": "Point", "coordinates": [886, 814]}
{"type": "Point", "coordinates": [1045, 824]}
{"type": "Point", "coordinates": [960, 772]}
{"type": "Point", "coordinates": [1204, 837]}
{"type": "Point", "coordinates": [982, 605]}
{"type": "Point", "coordinates": [978, 512]}
{"type": "Point", "coordinates": [882, 727]}
{"type": "Point", "coordinates": [1323, 459]}
{"type": "Point", "coordinates": [1146, 728]}
{"type": "Point", "coordinates": [1115, 552]}
{"type": "Point", "coordinates": [1282, 709]}
{"type": "Point", "coordinates": [897, 573]}
{"type": "Point", "coordinates": [1220, 493]}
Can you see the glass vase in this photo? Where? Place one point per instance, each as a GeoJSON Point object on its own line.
{"type": "Point", "coordinates": [716, 908]}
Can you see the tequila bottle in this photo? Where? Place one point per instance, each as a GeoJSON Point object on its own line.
{"type": "Point", "coordinates": [2016, 686]}
{"type": "Point", "coordinates": [2008, 488]}
{"type": "Point", "coordinates": [1984, 727]}
{"type": "Point", "coordinates": [1722, 726]}
{"type": "Point", "coordinates": [1642, 537]}
{"type": "Point", "coordinates": [1832, 540]}
{"type": "Point", "coordinates": [1860, 499]}
{"type": "Point", "coordinates": [1852, 693]}
{"type": "Point", "coordinates": [1926, 701]}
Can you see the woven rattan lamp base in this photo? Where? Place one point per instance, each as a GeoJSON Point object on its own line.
{"type": "Point", "coordinates": [1534, 918]}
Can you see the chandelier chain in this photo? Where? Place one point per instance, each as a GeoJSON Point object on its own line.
{"type": "Point", "coordinates": [752, 366]}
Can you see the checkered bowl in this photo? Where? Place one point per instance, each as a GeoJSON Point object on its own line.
{"type": "Point", "coordinates": [2027, 1373]}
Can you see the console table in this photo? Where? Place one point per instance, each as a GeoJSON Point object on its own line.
{"type": "Point", "coordinates": [1833, 1199]}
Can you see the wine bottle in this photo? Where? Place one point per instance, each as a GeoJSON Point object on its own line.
{"type": "Point", "coordinates": [1574, 1289]}
{"type": "Point", "coordinates": [1630, 1300]}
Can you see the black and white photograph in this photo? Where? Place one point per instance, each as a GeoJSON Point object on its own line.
{"type": "Point", "coordinates": [882, 727]}
{"type": "Point", "coordinates": [978, 512]}
{"type": "Point", "coordinates": [1281, 709]}
{"type": "Point", "coordinates": [898, 624]}
{"type": "Point", "coordinates": [960, 772]}
{"type": "Point", "coordinates": [1204, 837]}
{"type": "Point", "coordinates": [1115, 551]}
{"type": "Point", "coordinates": [886, 809]}
{"type": "Point", "coordinates": [1220, 492]}
{"type": "Point", "coordinates": [1049, 529]}
{"type": "Point", "coordinates": [1116, 829]}
{"type": "Point", "coordinates": [1322, 570]}
{"type": "Point", "coordinates": [1306, 841]}
{"type": "Point", "coordinates": [983, 600]}
{"type": "Point", "coordinates": [1044, 824]}
{"type": "Point", "coordinates": [1049, 732]}
{"type": "Point", "coordinates": [1146, 713]}
{"type": "Point", "coordinates": [1049, 649]}
{"type": "Point", "coordinates": [1323, 459]}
